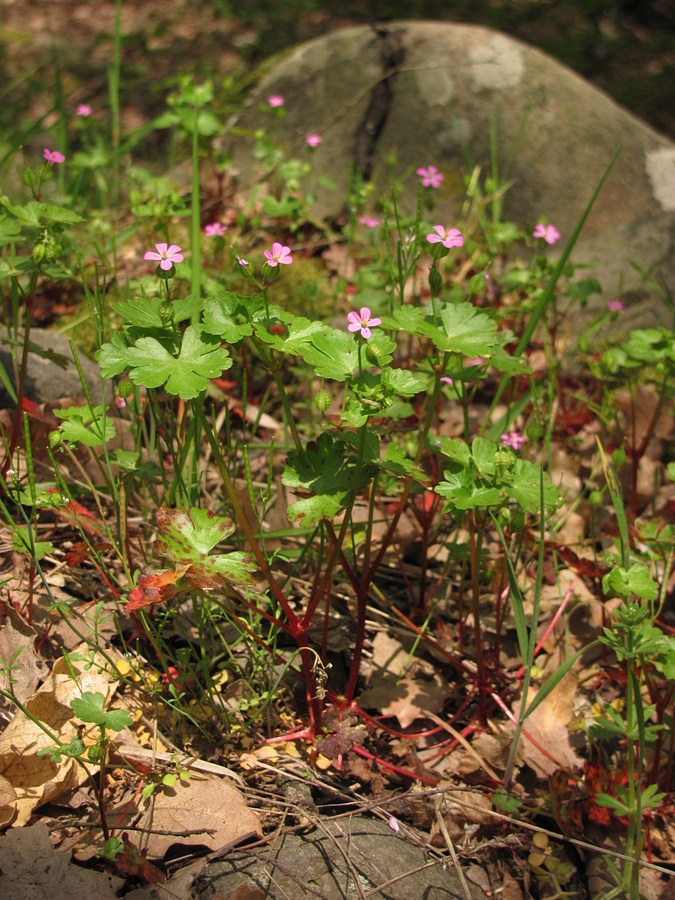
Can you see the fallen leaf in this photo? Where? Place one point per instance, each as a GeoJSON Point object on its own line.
{"type": "Point", "coordinates": [31, 869]}
{"type": "Point", "coordinates": [37, 779]}
{"type": "Point", "coordinates": [406, 698]}
{"type": "Point", "coordinates": [17, 639]}
{"type": "Point", "coordinates": [209, 812]}
{"type": "Point", "coordinates": [549, 727]}
{"type": "Point", "coordinates": [7, 798]}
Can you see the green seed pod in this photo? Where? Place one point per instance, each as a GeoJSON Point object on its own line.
{"type": "Point", "coordinates": [435, 280]}
{"type": "Point", "coordinates": [322, 400]}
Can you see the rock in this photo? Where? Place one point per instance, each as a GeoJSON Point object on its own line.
{"type": "Point", "coordinates": [432, 94]}
{"type": "Point", "coordinates": [327, 862]}
{"type": "Point", "coordinates": [52, 376]}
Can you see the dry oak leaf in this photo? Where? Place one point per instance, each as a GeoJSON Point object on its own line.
{"type": "Point", "coordinates": [37, 779]}
{"type": "Point", "coordinates": [406, 698]}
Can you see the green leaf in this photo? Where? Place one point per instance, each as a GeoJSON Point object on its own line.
{"type": "Point", "coordinates": [457, 449]}
{"type": "Point", "coordinates": [112, 356]}
{"type": "Point", "coordinates": [85, 425]}
{"type": "Point", "coordinates": [627, 582]}
{"type": "Point", "coordinates": [523, 487]}
{"type": "Point", "coordinates": [463, 492]}
{"type": "Point", "coordinates": [299, 334]}
{"type": "Point", "coordinates": [332, 353]}
{"type": "Point", "coordinates": [10, 230]}
{"type": "Point", "coordinates": [396, 462]}
{"type": "Point", "coordinates": [483, 452]}
{"type": "Point", "coordinates": [141, 311]}
{"type": "Point", "coordinates": [322, 469]}
{"type": "Point", "coordinates": [34, 214]}
{"type": "Point", "coordinates": [25, 542]}
{"type": "Point", "coordinates": [89, 708]}
{"type": "Point", "coordinates": [220, 317]}
{"type": "Point", "coordinates": [201, 358]}
{"type": "Point", "coordinates": [402, 382]}
{"type": "Point", "coordinates": [310, 510]}
{"type": "Point", "coordinates": [380, 348]}
{"type": "Point", "coordinates": [468, 330]}
{"type": "Point", "coordinates": [74, 748]}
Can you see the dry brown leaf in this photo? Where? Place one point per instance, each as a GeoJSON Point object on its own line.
{"type": "Point", "coordinates": [17, 653]}
{"type": "Point", "coordinates": [36, 779]}
{"type": "Point", "coordinates": [406, 698]}
{"type": "Point", "coordinates": [33, 870]}
{"type": "Point", "coordinates": [211, 809]}
{"type": "Point", "coordinates": [549, 727]}
{"type": "Point", "coordinates": [7, 804]}
{"type": "Point", "coordinates": [389, 656]}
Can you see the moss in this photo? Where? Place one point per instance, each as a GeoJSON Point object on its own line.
{"type": "Point", "coordinates": [304, 289]}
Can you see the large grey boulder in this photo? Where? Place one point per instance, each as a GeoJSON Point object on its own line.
{"type": "Point", "coordinates": [431, 94]}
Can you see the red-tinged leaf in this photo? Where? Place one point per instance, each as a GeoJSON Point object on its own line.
{"type": "Point", "coordinates": [133, 862]}
{"type": "Point", "coordinates": [81, 551]}
{"type": "Point", "coordinates": [187, 537]}
{"type": "Point", "coordinates": [584, 567]}
{"type": "Point", "coordinates": [155, 587]}
{"type": "Point", "coordinates": [34, 411]}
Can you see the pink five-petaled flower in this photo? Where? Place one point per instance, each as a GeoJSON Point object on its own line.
{"type": "Point", "coordinates": [313, 140]}
{"type": "Point", "coordinates": [278, 254]}
{"type": "Point", "coordinates": [615, 305]}
{"type": "Point", "coordinates": [368, 221]}
{"type": "Point", "coordinates": [83, 110]}
{"type": "Point", "coordinates": [53, 156]}
{"type": "Point", "coordinates": [548, 232]}
{"type": "Point", "coordinates": [166, 255]}
{"type": "Point", "coordinates": [275, 100]}
{"type": "Point", "coordinates": [451, 237]}
{"type": "Point", "coordinates": [513, 439]}
{"type": "Point", "coordinates": [362, 321]}
{"type": "Point", "coordinates": [215, 229]}
{"type": "Point", "coordinates": [430, 176]}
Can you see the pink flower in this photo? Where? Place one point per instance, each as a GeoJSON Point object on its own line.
{"type": "Point", "coordinates": [53, 156]}
{"type": "Point", "coordinates": [275, 101]}
{"type": "Point", "coordinates": [166, 255]}
{"type": "Point", "coordinates": [447, 380]}
{"type": "Point", "coordinates": [120, 402]}
{"type": "Point", "coordinates": [615, 305]}
{"type": "Point", "coordinates": [362, 321]}
{"type": "Point", "coordinates": [368, 221]}
{"type": "Point", "coordinates": [244, 263]}
{"type": "Point", "coordinates": [513, 439]}
{"type": "Point", "coordinates": [313, 140]}
{"type": "Point", "coordinates": [548, 232]}
{"type": "Point", "coordinates": [448, 237]}
{"type": "Point", "coordinates": [278, 254]}
{"type": "Point", "coordinates": [215, 229]}
{"type": "Point", "coordinates": [430, 176]}
{"type": "Point", "coordinates": [83, 110]}
{"type": "Point", "coordinates": [393, 824]}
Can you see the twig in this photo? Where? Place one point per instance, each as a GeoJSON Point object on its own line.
{"type": "Point", "coordinates": [453, 854]}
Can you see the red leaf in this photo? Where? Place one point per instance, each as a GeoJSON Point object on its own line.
{"type": "Point", "coordinates": [80, 551]}
{"type": "Point", "coordinates": [155, 587]}
{"type": "Point", "coordinates": [133, 862]}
